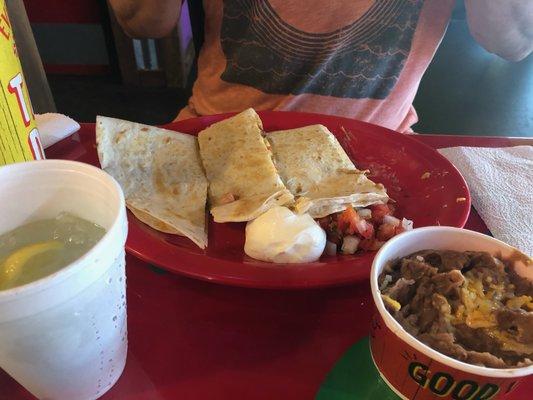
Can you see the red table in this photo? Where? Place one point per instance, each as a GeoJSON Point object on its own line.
{"type": "Point", "coordinates": [195, 340]}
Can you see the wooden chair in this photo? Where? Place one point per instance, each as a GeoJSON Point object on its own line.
{"type": "Point", "coordinates": [156, 62]}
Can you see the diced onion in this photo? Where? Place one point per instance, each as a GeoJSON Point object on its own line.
{"type": "Point", "coordinates": [365, 213]}
{"type": "Point", "coordinates": [361, 226]}
{"type": "Point", "coordinates": [350, 244]}
{"type": "Point", "coordinates": [407, 224]}
{"type": "Point", "coordinates": [386, 281]}
{"type": "Point", "coordinates": [389, 219]}
{"type": "Point", "coordinates": [331, 248]}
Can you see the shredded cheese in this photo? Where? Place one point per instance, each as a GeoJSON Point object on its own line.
{"type": "Point", "coordinates": [519, 302]}
{"type": "Point", "coordinates": [396, 306]}
{"type": "Point", "coordinates": [477, 310]}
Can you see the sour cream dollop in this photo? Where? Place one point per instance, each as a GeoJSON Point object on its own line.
{"type": "Point", "coordinates": [281, 236]}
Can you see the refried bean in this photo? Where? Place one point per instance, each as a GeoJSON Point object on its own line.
{"type": "Point", "coordinates": [468, 305]}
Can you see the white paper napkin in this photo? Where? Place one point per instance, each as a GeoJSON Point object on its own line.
{"type": "Point", "coordinates": [501, 185]}
{"type": "Point", "coordinates": [54, 127]}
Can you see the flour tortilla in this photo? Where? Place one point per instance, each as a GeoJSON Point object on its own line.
{"type": "Point", "coordinates": [243, 182]}
{"type": "Point", "coordinates": [319, 173]}
{"type": "Point", "coordinates": [160, 172]}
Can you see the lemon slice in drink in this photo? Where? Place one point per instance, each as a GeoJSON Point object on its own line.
{"type": "Point", "coordinates": [12, 266]}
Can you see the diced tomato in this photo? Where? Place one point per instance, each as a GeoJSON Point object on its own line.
{"type": "Point", "coordinates": [377, 245]}
{"type": "Point", "coordinates": [379, 211]}
{"type": "Point", "coordinates": [324, 222]}
{"type": "Point", "coordinates": [365, 228]}
{"type": "Point", "coordinates": [371, 244]}
{"type": "Point", "coordinates": [386, 231]}
{"type": "Point", "coordinates": [366, 244]}
{"type": "Point", "coordinates": [399, 229]}
{"type": "Point", "coordinates": [371, 234]}
{"type": "Point", "coordinates": [346, 221]}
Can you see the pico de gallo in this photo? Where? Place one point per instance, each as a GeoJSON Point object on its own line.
{"type": "Point", "coordinates": [365, 229]}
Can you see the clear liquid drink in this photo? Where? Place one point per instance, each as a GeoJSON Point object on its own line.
{"type": "Point", "coordinates": [64, 336]}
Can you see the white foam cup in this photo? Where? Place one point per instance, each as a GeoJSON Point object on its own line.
{"type": "Point", "coordinates": [65, 336]}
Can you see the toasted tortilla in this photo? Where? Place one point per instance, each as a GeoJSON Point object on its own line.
{"type": "Point", "coordinates": [160, 172]}
{"type": "Point", "coordinates": [243, 182]}
{"type": "Point", "coordinates": [318, 172]}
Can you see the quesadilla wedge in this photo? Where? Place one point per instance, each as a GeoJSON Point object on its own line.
{"type": "Point", "coordinates": [319, 173]}
{"type": "Point", "coordinates": [243, 182]}
{"type": "Point", "coordinates": [160, 172]}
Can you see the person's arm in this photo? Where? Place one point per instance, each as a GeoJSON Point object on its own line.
{"type": "Point", "coordinates": [503, 27]}
{"type": "Point", "coordinates": [147, 18]}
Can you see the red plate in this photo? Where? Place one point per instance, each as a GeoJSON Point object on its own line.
{"type": "Point", "coordinates": [427, 188]}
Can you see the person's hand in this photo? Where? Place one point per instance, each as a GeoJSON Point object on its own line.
{"type": "Point", "coordinates": [147, 18]}
{"type": "Point", "coordinates": [502, 27]}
